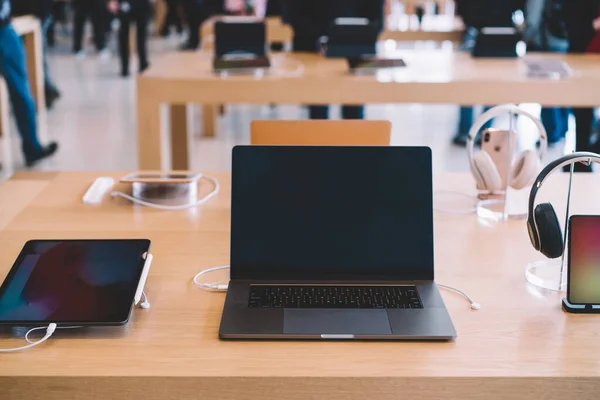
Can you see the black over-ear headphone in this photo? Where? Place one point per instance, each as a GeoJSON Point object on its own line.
{"type": "Point", "coordinates": [542, 223]}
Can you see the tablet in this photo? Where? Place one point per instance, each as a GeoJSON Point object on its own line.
{"type": "Point", "coordinates": [73, 282]}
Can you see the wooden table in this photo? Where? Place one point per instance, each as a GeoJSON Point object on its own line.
{"type": "Point", "coordinates": [431, 77]}
{"type": "Point", "coordinates": [6, 153]}
{"type": "Point", "coordinates": [520, 345]}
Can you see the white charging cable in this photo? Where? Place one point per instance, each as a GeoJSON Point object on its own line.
{"type": "Point", "coordinates": [210, 286]}
{"type": "Point", "coordinates": [49, 332]}
{"type": "Point", "coordinates": [216, 287]}
{"type": "Point", "coordinates": [474, 305]}
{"type": "Point", "coordinates": [145, 304]}
{"type": "Point", "coordinates": [203, 200]}
{"type": "Point", "coordinates": [280, 70]}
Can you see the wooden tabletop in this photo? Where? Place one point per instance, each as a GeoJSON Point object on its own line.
{"type": "Point", "coordinates": [520, 345]}
{"type": "Point", "coordinates": [432, 76]}
{"type": "Point", "coordinates": [25, 24]}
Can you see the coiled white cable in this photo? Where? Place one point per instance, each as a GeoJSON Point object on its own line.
{"type": "Point", "coordinates": [474, 305]}
{"type": "Point", "coordinates": [49, 332]}
{"type": "Point", "coordinates": [217, 188]}
{"type": "Point", "coordinates": [280, 70]}
{"type": "Point", "coordinates": [29, 332]}
{"type": "Point", "coordinates": [210, 286]}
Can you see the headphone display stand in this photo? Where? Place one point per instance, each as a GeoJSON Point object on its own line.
{"type": "Point", "coordinates": [552, 274]}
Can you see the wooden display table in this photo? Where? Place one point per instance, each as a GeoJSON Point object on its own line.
{"type": "Point", "coordinates": [520, 345]}
{"type": "Point", "coordinates": [430, 77]}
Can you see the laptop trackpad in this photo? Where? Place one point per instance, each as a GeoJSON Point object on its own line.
{"type": "Point", "coordinates": [331, 321]}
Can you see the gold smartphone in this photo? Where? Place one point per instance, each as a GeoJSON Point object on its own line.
{"type": "Point", "coordinates": [500, 145]}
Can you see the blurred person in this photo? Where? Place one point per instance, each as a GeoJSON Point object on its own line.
{"type": "Point", "coordinates": [477, 14]}
{"type": "Point", "coordinates": [545, 32]}
{"type": "Point", "coordinates": [582, 20]}
{"type": "Point", "coordinates": [42, 9]}
{"type": "Point", "coordinates": [196, 12]}
{"type": "Point", "coordinates": [128, 11]}
{"type": "Point", "coordinates": [172, 18]}
{"type": "Point", "coordinates": [94, 10]}
{"type": "Point", "coordinates": [14, 72]}
{"type": "Point", "coordinates": [274, 8]}
{"type": "Point", "coordinates": [311, 19]}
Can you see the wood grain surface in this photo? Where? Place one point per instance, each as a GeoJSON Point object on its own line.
{"type": "Point", "coordinates": [520, 345]}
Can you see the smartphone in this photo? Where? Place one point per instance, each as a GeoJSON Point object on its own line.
{"type": "Point", "coordinates": [161, 177]}
{"type": "Point", "coordinates": [500, 145]}
{"type": "Point", "coordinates": [583, 257]}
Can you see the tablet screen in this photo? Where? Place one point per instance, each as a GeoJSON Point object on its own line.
{"type": "Point", "coordinates": [81, 282]}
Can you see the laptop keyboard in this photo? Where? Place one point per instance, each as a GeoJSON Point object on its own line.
{"type": "Point", "coordinates": [334, 297]}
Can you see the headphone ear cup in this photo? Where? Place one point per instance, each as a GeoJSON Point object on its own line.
{"type": "Point", "coordinates": [485, 172]}
{"type": "Point", "coordinates": [549, 231]}
{"type": "Point", "coordinates": [525, 169]}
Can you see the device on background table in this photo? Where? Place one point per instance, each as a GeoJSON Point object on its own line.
{"type": "Point", "coordinates": [351, 38]}
{"type": "Point", "coordinates": [240, 46]}
{"type": "Point", "coordinates": [75, 282]}
{"type": "Point", "coordinates": [498, 42]}
{"type": "Point", "coordinates": [583, 255]}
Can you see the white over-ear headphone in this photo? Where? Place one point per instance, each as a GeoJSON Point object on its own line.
{"type": "Point", "coordinates": [527, 165]}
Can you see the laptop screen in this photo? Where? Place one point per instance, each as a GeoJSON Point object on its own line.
{"type": "Point", "coordinates": [240, 38]}
{"type": "Point", "coordinates": [332, 213]}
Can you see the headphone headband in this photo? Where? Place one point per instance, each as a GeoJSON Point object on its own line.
{"type": "Point", "coordinates": [568, 159]}
{"type": "Point", "coordinates": [497, 111]}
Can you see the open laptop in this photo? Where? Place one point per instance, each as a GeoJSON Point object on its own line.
{"type": "Point", "coordinates": [333, 243]}
{"type": "Point", "coordinates": [240, 46]}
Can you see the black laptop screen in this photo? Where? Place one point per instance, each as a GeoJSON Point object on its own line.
{"type": "Point", "coordinates": [240, 37]}
{"type": "Point", "coordinates": [340, 213]}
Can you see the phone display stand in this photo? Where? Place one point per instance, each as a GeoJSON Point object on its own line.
{"type": "Point", "coordinates": [498, 206]}
{"type": "Point", "coordinates": [167, 194]}
{"type": "Point", "coordinates": [552, 274]}
{"type": "Point", "coordinates": [580, 308]}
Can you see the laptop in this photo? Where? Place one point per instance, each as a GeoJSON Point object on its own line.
{"type": "Point", "coordinates": [240, 46]}
{"type": "Point", "coordinates": [352, 38]}
{"type": "Point", "coordinates": [333, 243]}
{"type": "Point", "coordinates": [497, 42]}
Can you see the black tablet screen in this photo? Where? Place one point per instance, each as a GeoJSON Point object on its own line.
{"type": "Point", "coordinates": [88, 281]}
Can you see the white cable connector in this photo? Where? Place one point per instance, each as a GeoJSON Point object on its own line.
{"type": "Point", "coordinates": [203, 200]}
{"type": "Point", "coordinates": [210, 286]}
{"type": "Point", "coordinates": [145, 304]}
{"type": "Point", "coordinates": [49, 332]}
{"type": "Point", "coordinates": [474, 305]}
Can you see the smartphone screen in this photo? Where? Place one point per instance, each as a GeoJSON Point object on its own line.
{"type": "Point", "coordinates": [584, 260]}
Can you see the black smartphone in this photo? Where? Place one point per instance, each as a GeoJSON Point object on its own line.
{"type": "Point", "coordinates": [583, 286]}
